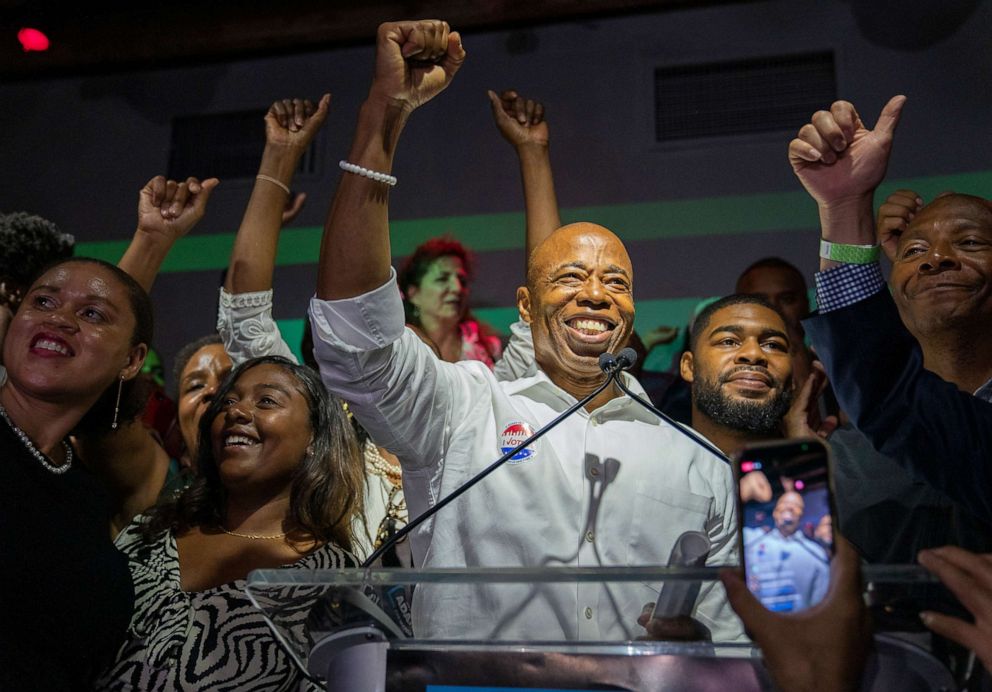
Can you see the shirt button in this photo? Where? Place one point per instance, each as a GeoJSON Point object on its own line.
{"type": "Point", "coordinates": [588, 613]}
{"type": "Point", "coordinates": [590, 536]}
{"type": "Point", "coordinates": [594, 422]}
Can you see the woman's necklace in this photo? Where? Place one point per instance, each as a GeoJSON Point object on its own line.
{"type": "Point", "coordinates": [37, 453]}
{"type": "Point", "coordinates": [396, 517]}
{"type": "Point", "coordinates": [254, 537]}
{"type": "Point", "coordinates": [379, 466]}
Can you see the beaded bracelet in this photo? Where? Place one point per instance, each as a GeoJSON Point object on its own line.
{"type": "Point", "coordinates": [368, 173]}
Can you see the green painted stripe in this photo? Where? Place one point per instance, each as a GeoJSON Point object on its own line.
{"type": "Point", "coordinates": [730, 215]}
{"type": "Point", "coordinates": [292, 334]}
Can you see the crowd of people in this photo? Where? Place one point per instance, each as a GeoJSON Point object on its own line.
{"type": "Point", "coordinates": [132, 540]}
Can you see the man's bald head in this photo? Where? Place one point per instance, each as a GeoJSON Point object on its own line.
{"type": "Point", "coordinates": [578, 302]}
{"type": "Point", "coordinates": [558, 246]}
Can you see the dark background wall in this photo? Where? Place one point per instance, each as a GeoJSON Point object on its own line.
{"type": "Point", "coordinates": [78, 149]}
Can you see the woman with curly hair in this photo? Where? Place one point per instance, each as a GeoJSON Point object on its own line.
{"type": "Point", "coordinates": [279, 484]}
{"type": "Point", "coordinates": [435, 284]}
{"type": "Point", "coordinates": [28, 244]}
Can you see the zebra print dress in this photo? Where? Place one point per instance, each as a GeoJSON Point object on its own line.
{"type": "Point", "coordinates": [208, 640]}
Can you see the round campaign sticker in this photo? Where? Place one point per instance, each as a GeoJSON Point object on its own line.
{"type": "Point", "coordinates": [512, 435]}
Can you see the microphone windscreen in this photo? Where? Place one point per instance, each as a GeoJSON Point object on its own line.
{"type": "Point", "coordinates": [626, 358]}
{"type": "Point", "coordinates": [690, 550]}
{"type": "Point", "coordinates": [607, 361]}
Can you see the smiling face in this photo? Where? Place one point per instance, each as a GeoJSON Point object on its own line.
{"type": "Point", "coordinates": [443, 292]}
{"type": "Point", "coordinates": [942, 272]}
{"type": "Point", "coordinates": [788, 512]}
{"type": "Point", "coordinates": [71, 337]}
{"type": "Point", "coordinates": [578, 301]}
{"type": "Point", "coordinates": [261, 436]}
{"type": "Point", "coordinates": [740, 368]}
{"type": "Point", "coordinates": [198, 383]}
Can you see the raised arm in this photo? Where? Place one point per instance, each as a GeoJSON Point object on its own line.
{"type": "Point", "coordinates": [522, 124]}
{"type": "Point", "coordinates": [290, 126]}
{"type": "Point", "coordinates": [415, 61]}
{"type": "Point", "coordinates": [167, 210]}
{"type": "Point", "coordinates": [840, 162]}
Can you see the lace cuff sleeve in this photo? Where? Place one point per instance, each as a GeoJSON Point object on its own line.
{"type": "Point", "coordinates": [245, 324]}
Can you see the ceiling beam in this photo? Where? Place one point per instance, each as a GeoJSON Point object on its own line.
{"type": "Point", "coordinates": [117, 36]}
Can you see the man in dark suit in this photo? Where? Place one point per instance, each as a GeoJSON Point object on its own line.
{"type": "Point", "coordinates": [912, 369]}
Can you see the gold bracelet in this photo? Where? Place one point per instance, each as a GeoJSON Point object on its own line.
{"type": "Point", "coordinates": [274, 182]}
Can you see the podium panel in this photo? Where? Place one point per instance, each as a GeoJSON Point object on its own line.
{"type": "Point", "coordinates": [359, 631]}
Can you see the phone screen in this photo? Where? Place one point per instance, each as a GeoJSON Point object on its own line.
{"type": "Point", "coordinates": [786, 522]}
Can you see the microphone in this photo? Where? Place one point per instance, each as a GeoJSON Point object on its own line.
{"type": "Point", "coordinates": [464, 487]}
{"type": "Point", "coordinates": [607, 362]}
{"type": "Point", "coordinates": [677, 598]}
{"type": "Point", "coordinates": [626, 358]}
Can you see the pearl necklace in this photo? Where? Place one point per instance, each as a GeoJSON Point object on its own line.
{"type": "Point", "coordinates": [254, 537]}
{"type": "Point", "coordinates": [37, 453]}
{"type": "Point", "coordinates": [378, 466]}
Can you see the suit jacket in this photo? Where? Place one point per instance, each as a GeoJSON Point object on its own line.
{"type": "Point", "coordinates": [908, 413]}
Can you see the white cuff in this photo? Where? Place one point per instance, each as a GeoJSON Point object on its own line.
{"type": "Point", "coordinates": [367, 322]}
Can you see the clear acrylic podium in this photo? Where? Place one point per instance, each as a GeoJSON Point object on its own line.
{"type": "Point", "coordinates": [351, 631]}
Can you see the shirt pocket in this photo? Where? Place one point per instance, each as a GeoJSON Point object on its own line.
{"type": "Point", "coordinates": [661, 514]}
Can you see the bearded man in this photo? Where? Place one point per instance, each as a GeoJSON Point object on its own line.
{"type": "Point", "coordinates": [740, 370]}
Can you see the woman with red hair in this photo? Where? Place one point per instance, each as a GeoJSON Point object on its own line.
{"type": "Point", "coordinates": [435, 284]}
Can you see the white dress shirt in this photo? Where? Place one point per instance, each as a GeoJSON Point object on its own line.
{"type": "Point", "coordinates": [610, 487]}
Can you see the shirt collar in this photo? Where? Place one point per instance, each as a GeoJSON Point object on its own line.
{"type": "Point", "coordinates": [985, 392]}
{"type": "Point", "coordinates": [540, 387]}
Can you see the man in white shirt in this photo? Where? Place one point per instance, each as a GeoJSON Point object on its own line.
{"type": "Point", "coordinates": [791, 572]}
{"type": "Point", "coordinates": [611, 486]}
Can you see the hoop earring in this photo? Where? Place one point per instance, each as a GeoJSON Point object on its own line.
{"type": "Point", "coordinates": [117, 405]}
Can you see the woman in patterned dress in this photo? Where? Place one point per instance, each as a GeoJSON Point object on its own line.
{"type": "Point", "coordinates": [280, 482]}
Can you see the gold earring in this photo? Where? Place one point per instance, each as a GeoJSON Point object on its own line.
{"type": "Point", "coordinates": [117, 405]}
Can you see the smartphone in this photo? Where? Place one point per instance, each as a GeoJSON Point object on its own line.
{"type": "Point", "coordinates": [785, 513]}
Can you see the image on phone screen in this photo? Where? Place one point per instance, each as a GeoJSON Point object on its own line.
{"type": "Point", "coordinates": [787, 526]}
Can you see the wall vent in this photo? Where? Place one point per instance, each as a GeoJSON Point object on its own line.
{"type": "Point", "coordinates": [740, 97]}
{"type": "Point", "coordinates": [225, 145]}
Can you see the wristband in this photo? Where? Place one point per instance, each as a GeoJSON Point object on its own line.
{"type": "Point", "coordinates": [849, 254]}
{"type": "Point", "coordinates": [368, 173]}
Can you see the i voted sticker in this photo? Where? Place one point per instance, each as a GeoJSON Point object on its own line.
{"type": "Point", "coordinates": [512, 435]}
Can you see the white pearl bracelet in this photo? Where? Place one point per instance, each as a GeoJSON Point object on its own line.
{"type": "Point", "coordinates": [368, 173]}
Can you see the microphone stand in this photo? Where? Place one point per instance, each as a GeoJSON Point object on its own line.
{"type": "Point", "coordinates": [612, 371]}
{"type": "Point", "coordinates": [626, 359]}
